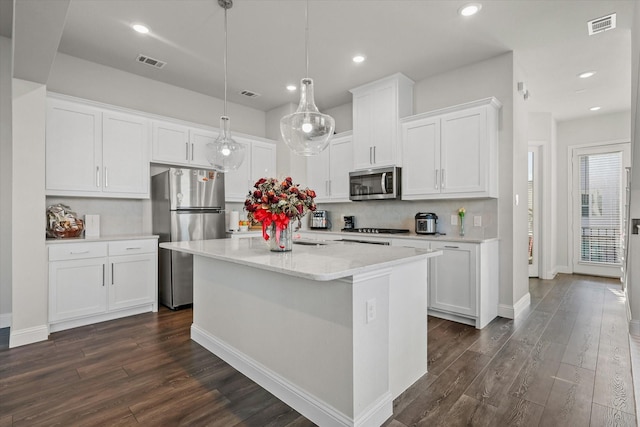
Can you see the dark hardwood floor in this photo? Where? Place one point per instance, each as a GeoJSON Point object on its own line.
{"type": "Point", "coordinates": [565, 362]}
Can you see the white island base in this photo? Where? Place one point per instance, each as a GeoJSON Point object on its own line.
{"type": "Point", "coordinates": [336, 349]}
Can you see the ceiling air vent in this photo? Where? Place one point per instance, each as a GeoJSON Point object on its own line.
{"type": "Point", "coordinates": [249, 94]}
{"type": "Point", "coordinates": [602, 24]}
{"type": "Point", "coordinates": [155, 63]}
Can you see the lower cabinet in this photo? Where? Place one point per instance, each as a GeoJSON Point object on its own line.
{"type": "Point", "coordinates": [463, 282]}
{"type": "Point", "coordinates": [98, 281]}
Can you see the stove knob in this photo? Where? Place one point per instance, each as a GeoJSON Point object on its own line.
{"type": "Point", "coordinates": [376, 231]}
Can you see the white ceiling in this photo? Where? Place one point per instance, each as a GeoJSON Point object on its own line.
{"type": "Point", "coordinates": [419, 38]}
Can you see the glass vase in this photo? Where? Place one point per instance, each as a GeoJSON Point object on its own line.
{"type": "Point", "coordinates": [283, 241]}
{"type": "Point", "coordinates": [461, 226]}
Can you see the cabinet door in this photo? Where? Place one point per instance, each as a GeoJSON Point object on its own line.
{"type": "Point", "coordinates": [132, 280]}
{"type": "Point", "coordinates": [452, 278]}
{"type": "Point", "coordinates": [170, 143]}
{"type": "Point", "coordinates": [238, 182]}
{"type": "Point", "coordinates": [421, 158]}
{"type": "Point", "coordinates": [77, 288]}
{"type": "Point", "coordinates": [318, 175]}
{"type": "Point", "coordinates": [73, 148]}
{"type": "Point", "coordinates": [362, 131]}
{"type": "Point", "coordinates": [198, 140]}
{"type": "Point", "coordinates": [385, 125]}
{"type": "Point", "coordinates": [125, 154]}
{"type": "Point", "coordinates": [464, 151]}
{"type": "Point", "coordinates": [263, 160]}
{"type": "Point", "coordinates": [341, 163]}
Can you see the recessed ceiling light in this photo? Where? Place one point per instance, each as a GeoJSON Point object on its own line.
{"type": "Point", "coordinates": [358, 59]}
{"type": "Point", "coordinates": [586, 74]}
{"type": "Point", "coordinates": [594, 108]}
{"type": "Point", "coordinates": [140, 28]}
{"type": "Point", "coordinates": [470, 9]}
{"type": "Point", "coordinates": [291, 88]}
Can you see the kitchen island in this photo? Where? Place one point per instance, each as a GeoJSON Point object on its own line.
{"type": "Point", "coordinates": [335, 330]}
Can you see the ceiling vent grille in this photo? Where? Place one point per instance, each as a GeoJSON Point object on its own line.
{"type": "Point", "coordinates": [155, 63]}
{"type": "Point", "coordinates": [249, 94]}
{"type": "Point", "coordinates": [602, 24]}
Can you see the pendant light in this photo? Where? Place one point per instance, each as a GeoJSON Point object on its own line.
{"type": "Point", "coordinates": [225, 154]}
{"type": "Point", "coordinates": [307, 131]}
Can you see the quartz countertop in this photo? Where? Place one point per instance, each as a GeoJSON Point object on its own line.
{"type": "Point", "coordinates": [101, 238]}
{"type": "Point", "coordinates": [407, 236]}
{"type": "Point", "coordinates": [310, 259]}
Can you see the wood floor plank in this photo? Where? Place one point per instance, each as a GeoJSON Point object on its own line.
{"type": "Point", "coordinates": [560, 327]}
{"type": "Point", "coordinates": [569, 402]}
{"type": "Point", "coordinates": [535, 379]}
{"type": "Point", "coordinates": [413, 392]}
{"type": "Point", "coordinates": [582, 348]}
{"type": "Point", "coordinates": [494, 336]}
{"type": "Point", "coordinates": [602, 416]}
{"type": "Point", "coordinates": [468, 411]}
{"type": "Point", "coordinates": [432, 406]}
{"type": "Point", "coordinates": [519, 413]}
{"type": "Point", "coordinates": [445, 344]}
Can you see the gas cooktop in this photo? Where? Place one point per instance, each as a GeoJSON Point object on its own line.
{"type": "Point", "coordinates": [376, 230]}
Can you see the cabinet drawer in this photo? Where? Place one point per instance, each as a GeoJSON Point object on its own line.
{"type": "Point", "coordinates": [66, 251]}
{"type": "Point", "coordinates": [130, 247]}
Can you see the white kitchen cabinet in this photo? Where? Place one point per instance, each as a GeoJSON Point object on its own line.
{"type": "Point", "coordinates": [377, 109]}
{"type": "Point", "coordinates": [95, 152]}
{"type": "Point", "coordinates": [180, 145]}
{"type": "Point", "coordinates": [98, 281]}
{"type": "Point", "coordinates": [451, 153]}
{"type": "Point", "coordinates": [328, 172]}
{"type": "Point", "coordinates": [464, 282]}
{"type": "Point", "coordinates": [259, 162]}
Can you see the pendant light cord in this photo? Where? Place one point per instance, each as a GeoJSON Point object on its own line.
{"type": "Point", "coordinates": [306, 36]}
{"type": "Point", "coordinates": [225, 61]}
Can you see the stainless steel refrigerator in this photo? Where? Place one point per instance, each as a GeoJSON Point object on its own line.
{"type": "Point", "coordinates": [187, 204]}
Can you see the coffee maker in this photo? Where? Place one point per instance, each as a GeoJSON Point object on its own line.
{"type": "Point", "coordinates": [349, 222]}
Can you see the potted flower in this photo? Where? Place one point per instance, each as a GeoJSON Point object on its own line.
{"type": "Point", "coordinates": [461, 213]}
{"type": "Point", "coordinates": [275, 204]}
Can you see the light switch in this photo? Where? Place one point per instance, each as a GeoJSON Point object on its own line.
{"type": "Point", "coordinates": [454, 219]}
{"type": "Point", "coordinates": [477, 221]}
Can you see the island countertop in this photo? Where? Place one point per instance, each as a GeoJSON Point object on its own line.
{"type": "Point", "coordinates": [320, 261]}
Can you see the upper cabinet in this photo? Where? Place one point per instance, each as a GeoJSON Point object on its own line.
{"type": "Point", "coordinates": [377, 109]}
{"type": "Point", "coordinates": [259, 161]}
{"type": "Point", "coordinates": [95, 152]}
{"type": "Point", "coordinates": [177, 144]}
{"type": "Point", "coordinates": [328, 172]}
{"type": "Point", "coordinates": [451, 153]}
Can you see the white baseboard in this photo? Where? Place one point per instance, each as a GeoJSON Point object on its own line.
{"type": "Point", "coordinates": [513, 311]}
{"type": "Point", "coordinates": [564, 269]}
{"type": "Point", "coordinates": [308, 405]}
{"type": "Point", "coordinates": [5, 320]}
{"type": "Point", "coordinates": [28, 336]}
{"type": "Point", "coordinates": [634, 328]}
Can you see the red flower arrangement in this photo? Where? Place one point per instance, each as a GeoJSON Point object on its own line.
{"type": "Point", "coordinates": [274, 201]}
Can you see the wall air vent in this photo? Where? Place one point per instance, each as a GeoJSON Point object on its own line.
{"type": "Point", "coordinates": [249, 94]}
{"type": "Point", "coordinates": [602, 24]}
{"type": "Point", "coordinates": [155, 63]}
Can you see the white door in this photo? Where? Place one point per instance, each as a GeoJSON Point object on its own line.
{"type": "Point", "coordinates": [597, 208]}
{"type": "Point", "coordinates": [125, 154]}
{"type": "Point", "coordinates": [131, 280]}
{"type": "Point", "coordinates": [452, 278]}
{"type": "Point", "coordinates": [534, 211]}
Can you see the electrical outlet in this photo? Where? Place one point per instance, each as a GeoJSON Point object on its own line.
{"type": "Point", "coordinates": [371, 310]}
{"type": "Point", "coordinates": [454, 219]}
{"type": "Point", "coordinates": [477, 221]}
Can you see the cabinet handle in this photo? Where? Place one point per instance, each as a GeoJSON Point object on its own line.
{"type": "Point", "coordinates": [132, 249]}
{"type": "Point", "coordinates": [329, 187]}
{"type": "Point", "coordinates": [78, 252]}
{"type": "Point", "coordinates": [442, 178]}
{"type": "Point", "coordinates": [186, 151]}
{"type": "Point", "coordinates": [374, 154]}
{"type": "Point", "coordinates": [452, 247]}
{"type": "Point", "coordinates": [97, 176]}
{"type": "Point", "coordinates": [436, 186]}
{"type": "Point", "coordinates": [106, 177]}
{"type": "Point", "coordinates": [102, 274]}
{"type": "Point", "coordinates": [112, 273]}
{"type": "Point", "coordinates": [370, 155]}
{"type": "Point", "coordinates": [192, 151]}
{"type": "Point", "coordinates": [326, 187]}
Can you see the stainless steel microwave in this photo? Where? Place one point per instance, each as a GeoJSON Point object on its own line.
{"type": "Point", "coordinates": [375, 184]}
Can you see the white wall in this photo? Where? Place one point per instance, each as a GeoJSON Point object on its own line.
{"type": "Point", "coordinates": [343, 115]}
{"type": "Point", "coordinates": [5, 182]}
{"type": "Point", "coordinates": [84, 79]}
{"type": "Point", "coordinates": [29, 273]}
{"type": "Point", "coordinates": [599, 129]}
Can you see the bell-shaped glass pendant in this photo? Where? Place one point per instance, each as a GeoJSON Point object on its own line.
{"type": "Point", "coordinates": [307, 131]}
{"type": "Point", "coordinates": [225, 154]}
